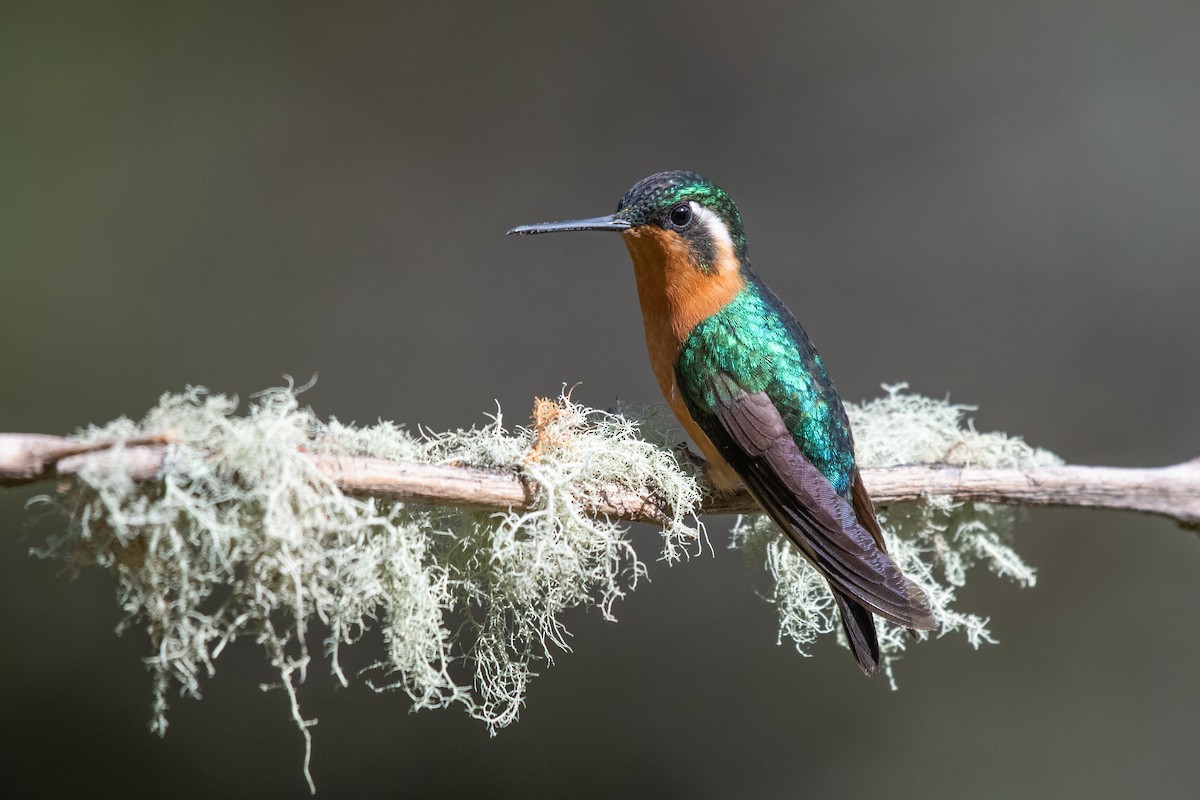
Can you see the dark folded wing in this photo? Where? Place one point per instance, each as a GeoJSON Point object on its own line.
{"type": "Point", "coordinates": [864, 510]}
{"type": "Point", "coordinates": [752, 436]}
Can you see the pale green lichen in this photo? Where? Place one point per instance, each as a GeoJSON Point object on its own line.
{"type": "Point", "coordinates": [935, 541]}
{"type": "Point", "coordinates": [242, 537]}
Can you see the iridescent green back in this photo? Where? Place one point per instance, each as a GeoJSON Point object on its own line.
{"type": "Point", "coordinates": [758, 342]}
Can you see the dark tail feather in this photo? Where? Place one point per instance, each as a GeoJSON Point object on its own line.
{"type": "Point", "coordinates": [859, 625]}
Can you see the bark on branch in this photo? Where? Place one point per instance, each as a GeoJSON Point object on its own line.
{"type": "Point", "coordinates": [1172, 491]}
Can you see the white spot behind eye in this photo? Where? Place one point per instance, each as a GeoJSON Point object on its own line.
{"type": "Point", "coordinates": [712, 223]}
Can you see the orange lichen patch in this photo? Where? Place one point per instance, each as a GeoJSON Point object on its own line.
{"type": "Point", "coordinates": [545, 436]}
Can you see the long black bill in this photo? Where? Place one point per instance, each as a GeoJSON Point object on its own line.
{"type": "Point", "coordinates": [609, 223]}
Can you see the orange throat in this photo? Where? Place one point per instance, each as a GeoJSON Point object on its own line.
{"type": "Point", "coordinates": [676, 296]}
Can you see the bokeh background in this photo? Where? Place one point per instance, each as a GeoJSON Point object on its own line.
{"type": "Point", "coordinates": [994, 202]}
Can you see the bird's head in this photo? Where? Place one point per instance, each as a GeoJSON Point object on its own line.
{"type": "Point", "coordinates": [670, 220]}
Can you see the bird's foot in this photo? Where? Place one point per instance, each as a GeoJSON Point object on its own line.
{"type": "Point", "coordinates": [697, 461]}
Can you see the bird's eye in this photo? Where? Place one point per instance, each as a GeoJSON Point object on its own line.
{"type": "Point", "coordinates": [681, 215]}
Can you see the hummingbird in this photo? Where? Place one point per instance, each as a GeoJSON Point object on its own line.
{"type": "Point", "coordinates": [749, 388]}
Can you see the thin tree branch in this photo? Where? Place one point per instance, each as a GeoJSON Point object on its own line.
{"type": "Point", "coordinates": [1172, 491]}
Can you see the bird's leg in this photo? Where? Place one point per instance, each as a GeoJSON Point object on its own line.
{"type": "Point", "coordinates": [707, 473]}
{"type": "Point", "coordinates": [696, 460]}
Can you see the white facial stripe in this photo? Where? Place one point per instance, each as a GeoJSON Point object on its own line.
{"type": "Point", "coordinates": [716, 228]}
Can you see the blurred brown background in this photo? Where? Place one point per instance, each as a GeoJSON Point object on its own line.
{"type": "Point", "coordinates": [997, 202]}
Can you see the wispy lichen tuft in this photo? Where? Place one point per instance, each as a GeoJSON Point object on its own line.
{"type": "Point", "coordinates": [243, 537]}
{"type": "Point", "coordinates": [935, 542]}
